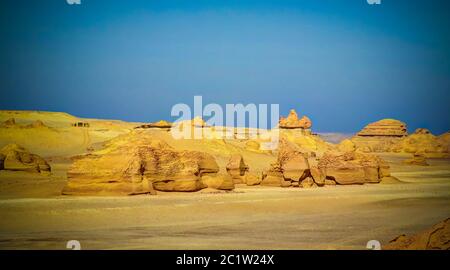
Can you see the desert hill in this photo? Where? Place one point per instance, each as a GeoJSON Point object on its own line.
{"type": "Point", "coordinates": [54, 134]}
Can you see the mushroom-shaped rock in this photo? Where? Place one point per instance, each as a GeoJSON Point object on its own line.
{"type": "Point", "coordinates": [292, 121]}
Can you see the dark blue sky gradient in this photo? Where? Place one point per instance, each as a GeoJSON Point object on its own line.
{"type": "Point", "coordinates": [343, 63]}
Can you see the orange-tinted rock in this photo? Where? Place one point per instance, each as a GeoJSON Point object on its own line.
{"type": "Point", "coordinates": [352, 167]}
{"type": "Point", "coordinates": [435, 238]}
{"type": "Point", "coordinates": [308, 183]}
{"type": "Point", "coordinates": [385, 127]}
{"type": "Point", "coordinates": [305, 122]}
{"type": "Point", "coordinates": [292, 121]}
{"type": "Point", "coordinates": [237, 168]}
{"type": "Point", "coordinates": [273, 177]}
{"type": "Point", "coordinates": [293, 166]}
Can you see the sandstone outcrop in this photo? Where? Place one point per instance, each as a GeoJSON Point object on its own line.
{"type": "Point", "coordinates": [435, 238]}
{"type": "Point", "coordinates": [237, 168]}
{"type": "Point", "coordinates": [137, 164]}
{"type": "Point", "coordinates": [292, 121]}
{"type": "Point", "coordinates": [379, 136]}
{"type": "Point", "coordinates": [390, 135]}
{"type": "Point", "coordinates": [15, 158]}
{"type": "Point", "coordinates": [353, 168]}
{"type": "Point", "coordinates": [252, 179]}
{"type": "Point", "coordinates": [385, 127]}
{"type": "Point", "coordinates": [293, 167]}
{"type": "Point", "coordinates": [218, 181]}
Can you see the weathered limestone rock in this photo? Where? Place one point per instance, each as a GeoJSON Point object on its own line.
{"type": "Point", "coordinates": [218, 181]}
{"type": "Point", "coordinates": [385, 127]}
{"type": "Point", "coordinates": [379, 136]}
{"type": "Point", "coordinates": [435, 238]}
{"type": "Point", "coordinates": [317, 173]}
{"type": "Point", "coordinates": [292, 121]}
{"type": "Point", "coordinates": [329, 182]}
{"type": "Point", "coordinates": [252, 180]}
{"type": "Point", "coordinates": [273, 177]}
{"type": "Point", "coordinates": [135, 164]}
{"type": "Point", "coordinates": [308, 183]}
{"type": "Point", "coordinates": [352, 167]}
{"type": "Point", "coordinates": [292, 167]}
{"type": "Point", "coordinates": [237, 168]}
{"type": "Point", "coordinates": [15, 158]}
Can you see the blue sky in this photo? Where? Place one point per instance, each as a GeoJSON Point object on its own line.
{"type": "Point", "coordinates": [343, 63]}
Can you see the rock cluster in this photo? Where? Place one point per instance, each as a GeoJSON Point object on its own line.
{"type": "Point", "coordinates": [423, 142]}
{"type": "Point", "coordinates": [15, 158]}
{"type": "Point", "coordinates": [304, 169]}
{"type": "Point", "coordinates": [353, 167]}
{"type": "Point", "coordinates": [137, 164]}
{"type": "Point", "coordinates": [389, 135]}
{"type": "Point", "coordinates": [435, 238]}
{"type": "Point", "coordinates": [385, 127]}
{"type": "Point", "coordinates": [292, 121]}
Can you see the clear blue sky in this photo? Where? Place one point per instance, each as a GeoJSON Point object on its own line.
{"type": "Point", "coordinates": [343, 63]}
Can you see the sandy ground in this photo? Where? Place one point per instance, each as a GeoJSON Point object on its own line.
{"type": "Point", "coordinates": [34, 216]}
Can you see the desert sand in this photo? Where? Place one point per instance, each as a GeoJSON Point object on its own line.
{"type": "Point", "coordinates": [35, 214]}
